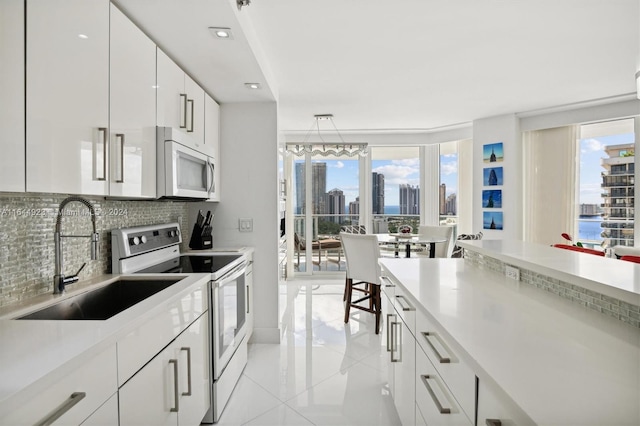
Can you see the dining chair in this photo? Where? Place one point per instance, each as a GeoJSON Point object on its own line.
{"type": "Point", "coordinates": [631, 258]}
{"type": "Point", "coordinates": [363, 274]}
{"type": "Point", "coordinates": [442, 249]}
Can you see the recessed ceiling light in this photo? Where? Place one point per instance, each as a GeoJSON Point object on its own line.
{"type": "Point", "coordinates": [252, 86]}
{"type": "Point", "coordinates": [83, 36]}
{"type": "Point", "coordinates": [222, 33]}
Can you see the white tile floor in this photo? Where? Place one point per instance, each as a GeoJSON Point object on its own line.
{"type": "Point", "coordinates": [322, 373]}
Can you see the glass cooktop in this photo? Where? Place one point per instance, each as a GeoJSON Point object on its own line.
{"type": "Point", "coordinates": [191, 264]}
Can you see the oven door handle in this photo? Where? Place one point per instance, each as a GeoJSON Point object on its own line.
{"type": "Point", "coordinates": [232, 275]}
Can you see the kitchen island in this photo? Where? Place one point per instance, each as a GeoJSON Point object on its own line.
{"type": "Point", "coordinates": [558, 362]}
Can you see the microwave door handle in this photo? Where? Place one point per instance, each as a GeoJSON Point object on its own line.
{"type": "Point", "coordinates": [212, 188]}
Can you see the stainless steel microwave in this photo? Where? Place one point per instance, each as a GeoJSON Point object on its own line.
{"type": "Point", "coordinates": [184, 172]}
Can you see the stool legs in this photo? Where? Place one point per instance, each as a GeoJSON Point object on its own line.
{"type": "Point", "coordinates": [372, 292]}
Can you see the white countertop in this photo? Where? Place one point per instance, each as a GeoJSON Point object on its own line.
{"type": "Point", "coordinates": [33, 350]}
{"type": "Point", "coordinates": [611, 277]}
{"type": "Point", "coordinates": [561, 363]}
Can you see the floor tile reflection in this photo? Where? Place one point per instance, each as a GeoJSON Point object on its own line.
{"type": "Point", "coordinates": [323, 372]}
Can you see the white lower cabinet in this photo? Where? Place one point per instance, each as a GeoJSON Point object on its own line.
{"type": "Point", "coordinates": [495, 407]}
{"type": "Point", "coordinates": [173, 388]}
{"type": "Point", "coordinates": [72, 398]}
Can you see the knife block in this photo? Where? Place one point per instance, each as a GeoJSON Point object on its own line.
{"type": "Point", "coordinates": [198, 241]}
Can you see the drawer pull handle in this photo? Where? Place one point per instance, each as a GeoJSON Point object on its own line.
{"type": "Point", "coordinates": [443, 410]}
{"type": "Point", "coordinates": [406, 306]}
{"type": "Point", "coordinates": [176, 399]}
{"type": "Point", "coordinates": [188, 350]}
{"type": "Point", "coordinates": [494, 422]}
{"type": "Point", "coordinates": [443, 360]}
{"type": "Point", "coordinates": [73, 399]}
{"type": "Point", "coordinates": [391, 284]}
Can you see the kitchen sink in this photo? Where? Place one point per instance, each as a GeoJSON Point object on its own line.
{"type": "Point", "coordinates": [104, 302]}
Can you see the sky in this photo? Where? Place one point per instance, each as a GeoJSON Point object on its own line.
{"type": "Point", "coordinates": [591, 152]}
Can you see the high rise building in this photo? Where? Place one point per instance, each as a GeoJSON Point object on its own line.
{"type": "Point", "coordinates": [443, 198]}
{"type": "Point", "coordinates": [618, 194]}
{"type": "Point", "coordinates": [318, 188]}
{"type": "Point", "coordinates": [336, 205]}
{"type": "Point", "coordinates": [354, 209]}
{"type": "Point", "coordinates": [451, 205]}
{"type": "Point", "coordinates": [409, 199]}
{"type": "Point", "coordinates": [377, 197]}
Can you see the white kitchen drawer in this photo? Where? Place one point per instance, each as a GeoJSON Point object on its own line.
{"type": "Point", "coordinates": [434, 399]}
{"type": "Point", "coordinates": [76, 395]}
{"type": "Point", "coordinates": [495, 405]}
{"type": "Point", "coordinates": [445, 357]}
{"type": "Point", "coordinates": [145, 341]}
{"type": "Point", "coordinates": [402, 303]}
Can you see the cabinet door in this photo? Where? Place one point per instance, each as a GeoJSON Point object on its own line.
{"type": "Point", "coordinates": [195, 111]}
{"type": "Point", "coordinates": [12, 166]}
{"type": "Point", "coordinates": [191, 351]}
{"type": "Point", "coordinates": [106, 415]}
{"type": "Point", "coordinates": [132, 109]}
{"type": "Point", "coordinates": [172, 98]}
{"type": "Point", "coordinates": [151, 396]}
{"type": "Point", "coordinates": [212, 141]}
{"type": "Point", "coordinates": [67, 96]}
{"type": "Point", "coordinates": [404, 365]}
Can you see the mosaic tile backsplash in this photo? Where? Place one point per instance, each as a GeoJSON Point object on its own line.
{"type": "Point", "coordinates": [609, 306]}
{"type": "Point", "coordinates": [27, 224]}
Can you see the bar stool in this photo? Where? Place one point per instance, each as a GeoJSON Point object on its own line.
{"type": "Point", "coordinates": [363, 273]}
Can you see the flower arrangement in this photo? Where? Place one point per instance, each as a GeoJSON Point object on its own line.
{"type": "Point", "coordinates": [405, 229]}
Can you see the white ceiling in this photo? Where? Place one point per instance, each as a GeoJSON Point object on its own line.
{"type": "Point", "coordinates": [411, 64]}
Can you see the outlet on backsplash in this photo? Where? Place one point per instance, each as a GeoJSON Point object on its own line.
{"type": "Point", "coordinates": [512, 272]}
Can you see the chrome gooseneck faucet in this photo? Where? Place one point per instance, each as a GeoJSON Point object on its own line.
{"type": "Point", "coordinates": [59, 279]}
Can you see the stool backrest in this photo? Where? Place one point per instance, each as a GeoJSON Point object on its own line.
{"type": "Point", "coordinates": [442, 249]}
{"type": "Point", "coordinates": [362, 253]}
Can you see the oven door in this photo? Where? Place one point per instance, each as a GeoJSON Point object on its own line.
{"type": "Point", "coordinates": [228, 308]}
{"type": "Point", "coordinates": [188, 173]}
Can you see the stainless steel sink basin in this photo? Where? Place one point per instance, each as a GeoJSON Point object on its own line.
{"type": "Point", "coordinates": [104, 302]}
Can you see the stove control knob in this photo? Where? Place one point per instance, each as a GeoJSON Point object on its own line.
{"type": "Point", "coordinates": [173, 233]}
{"type": "Point", "coordinates": [143, 239]}
{"type": "Point", "coordinates": [134, 241]}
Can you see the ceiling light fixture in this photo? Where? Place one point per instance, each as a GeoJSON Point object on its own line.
{"type": "Point", "coordinates": [241, 3]}
{"type": "Point", "coordinates": [222, 33]}
{"type": "Point", "coordinates": [253, 86]}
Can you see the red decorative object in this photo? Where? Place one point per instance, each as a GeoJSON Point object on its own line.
{"type": "Point", "coordinates": [580, 249]}
{"type": "Point", "coordinates": [629, 258]}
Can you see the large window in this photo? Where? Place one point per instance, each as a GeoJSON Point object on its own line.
{"type": "Point", "coordinates": [606, 194]}
{"type": "Point", "coordinates": [448, 183]}
{"type": "Point", "coordinates": [395, 188]}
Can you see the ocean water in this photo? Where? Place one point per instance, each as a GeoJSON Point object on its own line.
{"type": "Point", "coordinates": [589, 230]}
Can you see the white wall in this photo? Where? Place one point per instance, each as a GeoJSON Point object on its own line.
{"type": "Point", "coordinates": [249, 189]}
{"type": "Point", "coordinates": [505, 129]}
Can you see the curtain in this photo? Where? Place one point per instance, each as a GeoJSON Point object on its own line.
{"type": "Point", "coordinates": [550, 183]}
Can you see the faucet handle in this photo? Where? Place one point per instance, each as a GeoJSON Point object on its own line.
{"type": "Point", "coordinates": [81, 268]}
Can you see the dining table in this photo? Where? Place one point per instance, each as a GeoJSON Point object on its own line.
{"type": "Point", "coordinates": [410, 239]}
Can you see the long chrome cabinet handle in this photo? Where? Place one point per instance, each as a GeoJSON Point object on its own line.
{"type": "Point", "coordinates": [103, 130]}
{"type": "Point", "coordinates": [406, 306]}
{"type": "Point", "coordinates": [493, 422]}
{"type": "Point", "coordinates": [121, 137]}
{"type": "Point", "coordinates": [395, 339]}
{"type": "Point", "coordinates": [176, 398]}
{"type": "Point", "coordinates": [190, 101]}
{"type": "Point", "coordinates": [188, 350]}
{"type": "Point", "coordinates": [183, 119]}
{"type": "Point", "coordinates": [391, 284]}
{"type": "Point", "coordinates": [247, 298]}
{"type": "Point", "coordinates": [443, 360]}
{"type": "Point", "coordinates": [443, 410]}
{"type": "Point", "coordinates": [389, 332]}
{"type": "Point", "coordinates": [73, 399]}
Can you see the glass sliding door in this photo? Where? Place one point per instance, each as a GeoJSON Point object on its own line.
{"type": "Point", "coordinates": [325, 200]}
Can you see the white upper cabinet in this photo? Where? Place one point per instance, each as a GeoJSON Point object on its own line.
{"type": "Point", "coordinates": [132, 110]}
{"type": "Point", "coordinates": [12, 166]}
{"type": "Point", "coordinates": [180, 100]}
{"type": "Point", "coordinates": [67, 96]}
{"type": "Point", "coordinates": [212, 141]}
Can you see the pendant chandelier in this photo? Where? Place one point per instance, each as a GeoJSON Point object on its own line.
{"type": "Point", "coordinates": [324, 147]}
